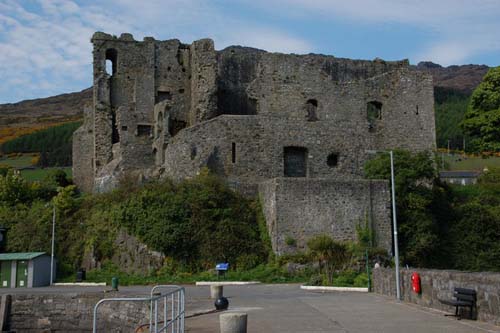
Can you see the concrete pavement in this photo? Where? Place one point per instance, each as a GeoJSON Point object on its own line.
{"type": "Point", "coordinates": [287, 308]}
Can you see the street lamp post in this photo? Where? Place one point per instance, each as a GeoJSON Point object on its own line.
{"type": "Point", "coordinates": [395, 227]}
{"type": "Point", "coordinates": [394, 221]}
{"type": "Point", "coordinates": [53, 239]}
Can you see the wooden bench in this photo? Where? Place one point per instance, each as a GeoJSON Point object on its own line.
{"type": "Point", "coordinates": [464, 298]}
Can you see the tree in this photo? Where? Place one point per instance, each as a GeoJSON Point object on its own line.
{"type": "Point", "coordinates": [330, 254]}
{"type": "Point", "coordinates": [420, 203]}
{"type": "Point", "coordinates": [482, 118]}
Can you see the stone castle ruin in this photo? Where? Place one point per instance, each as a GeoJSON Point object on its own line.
{"type": "Point", "coordinates": [294, 129]}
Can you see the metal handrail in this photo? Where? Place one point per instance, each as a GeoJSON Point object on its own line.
{"type": "Point", "coordinates": [153, 299]}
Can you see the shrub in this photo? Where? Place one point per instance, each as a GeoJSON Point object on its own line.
{"type": "Point", "coordinates": [315, 280]}
{"type": "Point", "coordinates": [330, 254]}
{"type": "Point", "coordinates": [290, 241]}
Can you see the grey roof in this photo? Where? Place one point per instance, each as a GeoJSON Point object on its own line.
{"type": "Point", "coordinates": [20, 255]}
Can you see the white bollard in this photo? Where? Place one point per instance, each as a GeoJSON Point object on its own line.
{"type": "Point", "coordinates": [233, 322]}
{"type": "Point", "coordinates": [216, 292]}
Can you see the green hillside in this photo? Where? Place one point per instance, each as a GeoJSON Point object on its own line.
{"type": "Point", "coordinates": [450, 107]}
{"type": "Point", "coordinates": [54, 145]}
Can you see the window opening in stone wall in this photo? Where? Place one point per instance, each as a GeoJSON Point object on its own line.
{"type": "Point", "coordinates": [163, 96]}
{"type": "Point", "coordinates": [115, 135]}
{"type": "Point", "coordinates": [143, 130]}
{"type": "Point", "coordinates": [373, 113]}
{"type": "Point", "coordinates": [295, 160]}
{"type": "Point", "coordinates": [175, 125]}
{"type": "Point", "coordinates": [111, 61]}
{"type": "Point", "coordinates": [416, 110]}
{"type": "Point", "coordinates": [332, 160]}
{"type": "Point", "coordinates": [193, 152]}
{"type": "Point", "coordinates": [311, 108]}
{"type": "Point", "coordinates": [233, 152]}
{"type": "Point", "coordinates": [124, 128]}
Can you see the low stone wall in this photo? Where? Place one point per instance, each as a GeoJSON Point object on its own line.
{"type": "Point", "coordinates": [439, 284]}
{"type": "Point", "coordinates": [73, 313]}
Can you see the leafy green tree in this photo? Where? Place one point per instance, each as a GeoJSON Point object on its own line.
{"type": "Point", "coordinates": [330, 254]}
{"type": "Point", "coordinates": [14, 189]}
{"type": "Point", "coordinates": [418, 197]}
{"type": "Point", "coordinates": [482, 119]}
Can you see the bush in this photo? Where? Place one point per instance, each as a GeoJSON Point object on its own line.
{"type": "Point", "coordinates": [247, 261]}
{"type": "Point", "coordinates": [330, 254]}
{"type": "Point", "coordinates": [345, 279]}
{"type": "Point", "coordinates": [315, 280]}
{"type": "Point", "coordinates": [290, 241]}
{"type": "Point", "coordinates": [361, 280]}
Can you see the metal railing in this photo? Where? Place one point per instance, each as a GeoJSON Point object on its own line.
{"type": "Point", "coordinates": [173, 318]}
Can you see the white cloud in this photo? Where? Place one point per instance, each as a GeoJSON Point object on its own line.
{"type": "Point", "coordinates": [463, 28]}
{"type": "Point", "coordinates": [45, 44]}
{"type": "Point", "coordinates": [45, 47]}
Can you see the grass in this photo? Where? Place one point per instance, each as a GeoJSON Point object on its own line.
{"type": "Point", "coordinates": [458, 162]}
{"type": "Point", "coordinates": [25, 160]}
{"type": "Point", "coordinates": [39, 174]}
{"type": "Point", "coordinates": [21, 161]}
{"type": "Point", "coordinates": [261, 273]}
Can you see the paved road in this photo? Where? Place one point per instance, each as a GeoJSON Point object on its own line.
{"type": "Point", "coordinates": [287, 308]}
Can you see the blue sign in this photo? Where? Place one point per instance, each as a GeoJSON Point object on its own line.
{"type": "Point", "coordinates": [222, 266]}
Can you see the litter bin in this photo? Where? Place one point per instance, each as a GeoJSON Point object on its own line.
{"type": "Point", "coordinates": [114, 283]}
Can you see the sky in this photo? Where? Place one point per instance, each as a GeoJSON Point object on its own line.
{"type": "Point", "coordinates": [45, 45]}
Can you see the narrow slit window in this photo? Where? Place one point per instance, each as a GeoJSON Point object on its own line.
{"type": "Point", "coordinates": [233, 152]}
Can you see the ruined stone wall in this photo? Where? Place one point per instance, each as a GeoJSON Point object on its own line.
{"type": "Point", "coordinates": [158, 88]}
{"type": "Point", "coordinates": [299, 209]}
{"type": "Point", "coordinates": [250, 149]}
{"type": "Point", "coordinates": [279, 85]}
{"type": "Point", "coordinates": [439, 284]}
{"type": "Point", "coordinates": [130, 254]}
{"type": "Point", "coordinates": [149, 82]}
{"type": "Point", "coordinates": [83, 151]}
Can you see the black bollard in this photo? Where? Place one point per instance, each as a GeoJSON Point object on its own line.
{"type": "Point", "coordinates": [221, 303]}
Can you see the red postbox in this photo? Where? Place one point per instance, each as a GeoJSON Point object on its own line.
{"type": "Point", "coordinates": [415, 283]}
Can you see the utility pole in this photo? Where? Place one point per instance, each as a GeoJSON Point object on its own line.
{"type": "Point", "coordinates": [394, 219]}
{"type": "Point", "coordinates": [53, 239]}
{"type": "Point", "coordinates": [448, 147]}
{"type": "Point", "coordinates": [395, 226]}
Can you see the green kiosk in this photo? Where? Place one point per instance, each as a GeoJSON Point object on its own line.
{"type": "Point", "coordinates": [24, 270]}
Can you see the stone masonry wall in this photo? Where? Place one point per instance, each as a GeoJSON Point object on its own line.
{"type": "Point", "coordinates": [302, 208]}
{"type": "Point", "coordinates": [68, 312]}
{"type": "Point", "coordinates": [83, 152]}
{"type": "Point", "coordinates": [129, 254]}
{"type": "Point", "coordinates": [250, 149]}
{"type": "Point", "coordinates": [158, 90]}
{"type": "Point", "coordinates": [439, 284]}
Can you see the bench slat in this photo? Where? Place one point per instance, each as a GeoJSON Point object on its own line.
{"type": "Point", "coordinates": [462, 297]}
{"type": "Point", "coordinates": [465, 291]}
